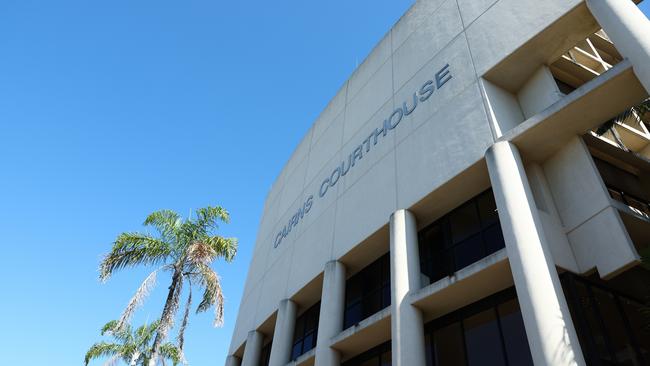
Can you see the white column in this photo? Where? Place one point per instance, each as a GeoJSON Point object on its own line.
{"type": "Point", "coordinates": [283, 335]}
{"type": "Point", "coordinates": [253, 349]}
{"type": "Point", "coordinates": [629, 29]}
{"type": "Point", "coordinates": [233, 361]}
{"type": "Point", "coordinates": [332, 306]}
{"type": "Point", "coordinates": [551, 335]}
{"type": "Point", "coordinates": [407, 329]}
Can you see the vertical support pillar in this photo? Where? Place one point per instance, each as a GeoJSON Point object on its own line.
{"type": "Point", "coordinates": [551, 334]}
{"type": "Point", "coordinates": [253, 350]}
{"type": "Point", "coordinates": [628, 28]}
{"type": "Point", "coordinates": [233, 360]}
{"type": "Point", "coordinates": [407, 329]}
{"type": "Point", "coordinates": [332, 307]}
{"type": "Point", "coordinates": [283, 335]}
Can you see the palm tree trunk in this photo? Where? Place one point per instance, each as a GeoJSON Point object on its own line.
{"type": "Point", "coordinates": [167, 317]}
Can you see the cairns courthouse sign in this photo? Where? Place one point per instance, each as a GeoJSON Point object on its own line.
{"type": "Point", "coordinates": [409, 106]}
{"type": "Point", "coordinates": [466, 198]}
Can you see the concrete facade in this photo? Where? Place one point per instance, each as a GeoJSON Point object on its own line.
{"type": "Point", "coordinates": [458, 97]}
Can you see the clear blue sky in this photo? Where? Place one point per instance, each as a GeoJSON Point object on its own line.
{"type": "Point", "coordinates": [112, 109]}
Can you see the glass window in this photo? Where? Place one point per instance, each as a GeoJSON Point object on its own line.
{"type": "Point", "coordinates": [448, 345]}
{"type": "Point", "coordinates": [305, 331]}
{"type": "Point", "coordinates": [464, 221]}
{"type": "Point", "coordinates": [487, 208]}
{"type": "Point", "coordinates": [612, 328]}
{"type": "Point", "coordinates": [378, 356]}
{"type": "Point", "coordinates": [482, 339]}
{"type": "Point", "coordinates": [489, 332]}
{"type": "Point", "coordinates": [266, 354]}
{"type": "Point", "coordinates": [514, 334]}
{"type": "Point", "coordinates": [462, 237]}
{"type": "Point", "coordinates": [493, 238]}
{"type": "Point", "coordinates": [367, 292]}
{"type": "Point", "coordinates": [469, 251]}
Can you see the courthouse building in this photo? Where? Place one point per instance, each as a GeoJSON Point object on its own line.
{"type": "Point", "coordinates": [476, 193]}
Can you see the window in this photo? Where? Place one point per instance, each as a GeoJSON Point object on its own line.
{"type": "Point", "coordinates": [465, 235]}
{"type": "Point", "coordinates": [378, 356]}
{"type": "Point", "coordinates": [266, 354]}
{"type": "Point", "coordinates": [487, 333]}
{"type": "Point", "coordinates": [367, 292]}
{"type": "Point", "coordinates": [304, 338]}
{"type": "Point", "coordinates": [613, 329]}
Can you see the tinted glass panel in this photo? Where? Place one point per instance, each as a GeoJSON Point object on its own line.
{"type": "Point", "coordinates": [612, 328]}
{"type": "Point", "coordinates": [493, 238]}
{"type": "Point", "coordinates": [296, 350]}
{"type": "Point", "coordinates": [378, 356]}
{"type": "Point", "coordinates": [386, 358]}
{"type": "Point", "coordinates": [305, 331]}
{"type": "Point", "coordinates": [448, 346]}
{"type": "Point", "coordinates": [638, 317]}
{"type": "Point", "coordinates": [619, 341]}
{"type": "Point", "coordinates": [488, 332]}
{"type": "Point", "coordinates": [469, 251]}
{"type": "Point", "coordinates": [353, 314]}
{"type": "Point", "coordinates": [514, 334]}
{"type": "Point", "coordinates": [483, 340]}
{"type": "Point", "coordinates": [308, 342]}
{"type": "Point", "coordinates": [462, 237]}
{"type": "Point", "coordinates": [367, 292]}
{"type": "Point", "coordinates": [487, 209]}
{"type": "Point", "coordinates": [464, 222]}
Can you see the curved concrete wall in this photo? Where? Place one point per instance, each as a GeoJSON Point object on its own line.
{"type": "Point", "coordinates": [409, 119]}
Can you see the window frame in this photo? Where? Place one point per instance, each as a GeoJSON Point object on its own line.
{"type": "Point", "coordinates": [382, 290]}
{"type": "Point", "coordinates": [442, 259]}
{"type": "Point", "coordinates": [314, 312]}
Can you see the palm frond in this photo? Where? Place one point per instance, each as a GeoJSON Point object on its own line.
{"type": "Point", "coordinates": [200, 252]}
{"type": "Point", "coordinates": [138, 298]}
{"type": "Point", "coordinates": [225, 248]}
{"type": "Point", "coordinates": [213, 295]}
{"type": "Point", "coordinates": [102, 349]}
{"type": "Point", "coordinates": [208, 216]}
{"type": "Point", "coordinates": [145, 332]}
{"type": "Point", "coordinates": [171, 352]}
{"type": "Point", "coordinates": [131, 249]}
{"type": "Point", "coordinates": [121, 333]}
{"type": "Point", "coordinates": [165, 221]}
{"type": "Point", "coordinates": [186, 318]}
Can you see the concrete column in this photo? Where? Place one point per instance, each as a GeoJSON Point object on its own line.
{"type": "Point", "coordinates": [233, 361]}
{"type": "Point", "coordinates": [283, 335]}
{"type": "Point", "coordinates": [407, 328]}
{"type": "Point", "coordinates": [253, 349]}
{"type": "Point", "coordinates": [332, 306]}
{"type": "Point", "coordinates": [628, 28]}
{"type": "Point", "coordinates": [551, 335]}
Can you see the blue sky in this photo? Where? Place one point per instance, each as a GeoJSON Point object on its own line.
{"type": "Point", "coordinates": [110, 110]}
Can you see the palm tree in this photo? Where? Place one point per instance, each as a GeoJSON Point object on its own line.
{"type": "Point", "coordinates": [133, 348]}
{"type": "Point", "coordinates": [186, 248]}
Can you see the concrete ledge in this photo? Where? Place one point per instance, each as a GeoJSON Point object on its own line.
{"type": "Point", "coordinates": [586, 108]}
{"type": "Point", "coordinates": [369, 333]}
{"type": "Point", "coordinates": [481, 279]}
{"type": "Point", "coordinates": [306, 359]}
